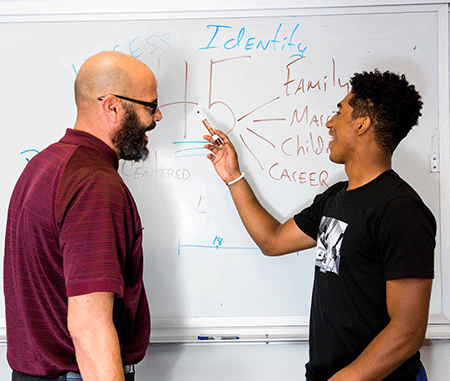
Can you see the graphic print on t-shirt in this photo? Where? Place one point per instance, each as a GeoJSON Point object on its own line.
{"type": "Point", "coordinates": [329, 240]}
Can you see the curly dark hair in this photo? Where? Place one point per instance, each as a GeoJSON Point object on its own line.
{"type": "Point", "coordinates": [390, 101]}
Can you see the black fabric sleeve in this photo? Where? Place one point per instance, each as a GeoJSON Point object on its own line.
{"type": "Point", "coordinates": [406, 234]}
{"type": "Point", "coordinates": [308, 220]}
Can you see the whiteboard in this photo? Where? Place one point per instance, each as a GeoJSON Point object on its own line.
{"type": "Point", "coordinates": [271, 81]}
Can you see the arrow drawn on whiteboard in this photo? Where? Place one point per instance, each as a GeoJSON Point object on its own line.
{"type": "Point", "coordinates": [265, 104]}
{"type": "Point", "coordinates": [263, 138]}
{"type": "Point", "coordinates": [246, 146]}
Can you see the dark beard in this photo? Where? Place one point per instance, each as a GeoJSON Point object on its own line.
{"type": "Point", "coordinates": [130, 138]}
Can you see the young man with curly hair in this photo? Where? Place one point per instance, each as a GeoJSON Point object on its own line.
{"type": "Point", "coordinates": [375, 239]}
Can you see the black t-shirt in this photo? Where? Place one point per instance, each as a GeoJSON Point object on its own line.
{"type": "Point", "coordinates": [381, 231]}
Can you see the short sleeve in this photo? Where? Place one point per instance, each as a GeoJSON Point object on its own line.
{"type": "Point", "coordinates": [93, 237]}
{"type": "Point", "coordinates": [308, 220]}
{"type": "Point", "coordinates": [406, 232]}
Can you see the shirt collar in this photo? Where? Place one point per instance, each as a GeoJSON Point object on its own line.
{"type": "Point", "coordinates": [84, 139]}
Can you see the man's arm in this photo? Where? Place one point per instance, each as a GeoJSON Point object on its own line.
{"type": "Point", "coordinates": [272, 237]}
{"type": "Point", "coordinates": [408, 304]}
{"type": "Point", "coordinates": [90, 322]}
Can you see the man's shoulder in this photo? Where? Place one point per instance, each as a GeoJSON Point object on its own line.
{"type": "Point", "coordinates": [90, 173]}
{"type": "Point", "coordinates": [332, 190]}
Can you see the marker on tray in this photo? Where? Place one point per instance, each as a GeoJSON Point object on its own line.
{"type": "Point", "coordinates": [215, 137]}
{"type": "Point", "coordinates": [205, 337]}
{"type": "Point", "coordinates": [209, 337]}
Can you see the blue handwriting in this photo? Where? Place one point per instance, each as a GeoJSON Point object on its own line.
{"type": "Point", "coordinates": [180, 153]}
{"type": "Point", "coordinates": [27, 151]}
{"type": "Point", "coordinates": [242, 41]}
{"type": "Point", "coordinates": [154, 45]}
{"type": "Point", "coordinates": [158, 45]}
{"type": "Point", "coordinates": [217, 242]}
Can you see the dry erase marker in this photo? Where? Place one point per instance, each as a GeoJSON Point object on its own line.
{"type": "Point", "coordinates": [205, 337]}
{"type": "Point", "coordinates": [215, 137]}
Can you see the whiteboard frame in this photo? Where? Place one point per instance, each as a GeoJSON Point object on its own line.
{"type": "Point", "coordinates": [280, 328]}
{"type": "Point", "coordinates": [444, 152]}
{"type": "Point", "coordinates": [104, 10]}
{"type": "Point", "coordinates": [34, 8]}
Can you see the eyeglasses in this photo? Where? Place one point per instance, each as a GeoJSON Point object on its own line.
{"type": "Point", "coordinates": [152, 105]}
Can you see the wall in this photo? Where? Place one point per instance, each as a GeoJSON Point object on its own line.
{"type": "Point", "coordinates": [244, 362]}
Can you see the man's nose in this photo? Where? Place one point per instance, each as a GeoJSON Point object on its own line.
{"type": "Point", "coordinates": [158, 115]}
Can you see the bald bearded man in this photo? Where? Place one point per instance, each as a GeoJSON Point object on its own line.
{"type": "Point", "coordinates": [75, 301]}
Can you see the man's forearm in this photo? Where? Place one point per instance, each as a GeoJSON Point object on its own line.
{"type": "Point", "coordinates": [390, 348]}
{"type": "Point", "coordinates": [272, 237]}
{"type": "Point", "coordinates": [259, 223]}
{"type": "Point", "coordinates": [408, 304]}
{"type": "Point", "coordinates": [97, 347]}
{"type": "Point", "coordinates": [98, 354]}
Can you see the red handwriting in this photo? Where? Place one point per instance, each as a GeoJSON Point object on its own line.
{"type": "Point", "coordinates": [294, 147]}
{"type": "Point", "coordinates": [296, 83]}
{"type": "Point", "coordinates": [185, 101]}
{"type": "Point", "coordinates": [298, 144]}
{"type": "Point", "coordinates": [212, 103]}
{"type": "Point", "coordinates": [302, 177]}
{"type": "Point", "coordinates": [320, 120]}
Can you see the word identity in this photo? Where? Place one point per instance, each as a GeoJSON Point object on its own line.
{"type": "Point", "coordinates": [243, 40]}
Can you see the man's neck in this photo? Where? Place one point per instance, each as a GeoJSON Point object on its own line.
{"type": "Point", "coordinates": [363, 173]}
{"type": "Point", "coordinates": [92, 129]}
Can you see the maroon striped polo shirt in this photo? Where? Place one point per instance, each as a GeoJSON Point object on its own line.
{"type": "Point", "coordinates": [73, 228]}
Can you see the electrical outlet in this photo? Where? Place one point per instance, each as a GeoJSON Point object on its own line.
{"type": "Point", "coordinates": [434, 158]}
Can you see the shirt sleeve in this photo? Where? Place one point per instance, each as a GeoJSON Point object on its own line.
{"type": "Point", "coordinates": [308, 220]}
{"type": "Point", "coordinates": [407, 231]}
{"type": "Point", "coordinates": [92, 237]}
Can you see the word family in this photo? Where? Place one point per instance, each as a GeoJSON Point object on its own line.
{"type": "Point", "coordinates": [297, 83]}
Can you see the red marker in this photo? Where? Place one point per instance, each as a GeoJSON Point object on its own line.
{"type": "Point", "coordinates": [215, 137]}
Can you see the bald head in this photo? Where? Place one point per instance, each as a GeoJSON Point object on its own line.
{"type": "Point", "coordinates": [110, 73]}
{"type": "Point", "coordinates": [116, 96]}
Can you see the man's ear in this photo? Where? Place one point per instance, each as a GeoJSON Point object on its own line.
{"type": "Point", "coordinates": [364, 125]}
{"type": "Point", "coordinates": [113, 108]}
